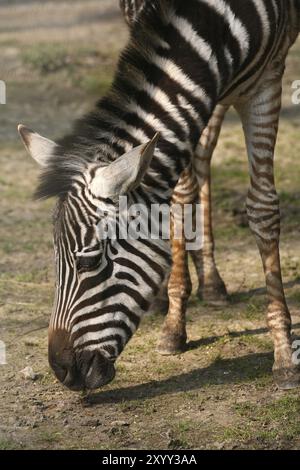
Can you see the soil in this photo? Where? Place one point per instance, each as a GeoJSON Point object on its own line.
{"type": "Point", "coordinates": [56, 59]}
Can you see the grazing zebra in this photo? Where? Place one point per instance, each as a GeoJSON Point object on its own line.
{"type": "Point", "coordinates": [182, 59]}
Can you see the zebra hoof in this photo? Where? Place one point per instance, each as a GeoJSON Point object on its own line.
{"type": "Point", "coordinates": [287, 378]}
{"type": "Point", "coordinates": [214, 294]}
{"type": "Point", "coordinates": [171, 345]}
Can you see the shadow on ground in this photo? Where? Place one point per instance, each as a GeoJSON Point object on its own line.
{"type": "Point", "coordinates": [243, 296]}
{"type": "Point", "coordinates": [231, 334]}
{"type": "Point", "coordinates": [223, 371]}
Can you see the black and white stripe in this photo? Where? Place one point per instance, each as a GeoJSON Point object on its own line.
{"type": "Point", "coordinates": [182, 59]}
{"type": "Point", "coordinates": [131, 9]}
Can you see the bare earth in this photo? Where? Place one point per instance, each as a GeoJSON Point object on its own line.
{"type": "Point", "coordinates": [56, 58]}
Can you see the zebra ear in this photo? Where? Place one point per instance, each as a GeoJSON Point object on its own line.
{"type": "Point", "coordinates": [125, 173]}
{"type": "Point", "coordinates": [40, 148]}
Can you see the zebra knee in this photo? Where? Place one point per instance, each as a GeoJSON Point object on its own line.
{"type": "Point", "coordinates": [180, 288]}
{"type": "Point", "coordinates": [263, 214]}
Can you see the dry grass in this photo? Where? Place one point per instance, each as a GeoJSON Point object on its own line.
{"type": "Point", "coordinates": [220, 393]}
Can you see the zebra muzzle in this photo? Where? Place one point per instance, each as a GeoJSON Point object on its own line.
{"type": "Point", "coordinates": [78, 370]}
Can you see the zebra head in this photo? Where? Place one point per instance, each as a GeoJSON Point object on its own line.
{"type": "Point", "coordinates": [103, 285]}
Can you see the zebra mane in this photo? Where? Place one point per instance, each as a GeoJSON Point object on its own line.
{"type": "Point", "coordinates": [73, 155]}
{"type": "Point", "coordinates": [87, 142]}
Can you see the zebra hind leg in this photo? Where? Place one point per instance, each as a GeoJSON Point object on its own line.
{"type": "Point", "coordinates": [211, 288]}
{"type": "Point", "coordinates": [193, 187]}
{"type": "Point", "coordinates": [260, 121]}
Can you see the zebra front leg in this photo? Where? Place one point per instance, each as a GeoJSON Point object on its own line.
{"type": "Point", "coordinates": [211, 286]}
{"type": "Point", "coordinates": [260, 121]}
{"type": "Point", "coordinates": [173, 337]}
{"type": "Point", "coordinates": [193, 186]}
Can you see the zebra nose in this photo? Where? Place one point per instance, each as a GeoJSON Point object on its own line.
{"type": "Point", "coordinates": [95, 369]}
{"type": "Point", "coordinates": [78, 370]}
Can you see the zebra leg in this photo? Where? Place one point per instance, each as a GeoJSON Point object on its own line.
{"type": "Point", "coordinates": [211, 286]}
{"type": "Point", "coordinates": [190, 191]}
{"type": "Point", "coordinates": [173, 336]}
{"type": "Point", "coordinates": [260, 121]}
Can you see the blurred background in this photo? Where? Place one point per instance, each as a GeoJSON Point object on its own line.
{"type": "Point", "coordinates": [55, 55]}
{"type": "Point", "coordinates": [57, 58]}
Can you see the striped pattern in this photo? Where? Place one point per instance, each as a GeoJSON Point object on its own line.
{"type": "Point", "coordinates": [193, 187]}
{"type": "Point", "coordinates": [182, 59]}
{"type": "Point", "coordinates": [84, 263]}
{"type": "Point", "coordinates": [131, 9]}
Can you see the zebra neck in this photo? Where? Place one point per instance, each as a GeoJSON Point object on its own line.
{"type": "Point", "coordinates": [182, 58]}
{"type": "Point", "coordinates": [294, 18]}
{"type": "Point", "coordinates": [154, 90]}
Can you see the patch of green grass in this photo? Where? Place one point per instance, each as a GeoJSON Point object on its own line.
{"type": "Point", "coordinates": [46, 58]}
{"type": "Point", "coordinates": [8, 247]}
{"type": "Point", "coordinates": [184, 426]}
{"type": "Point", "coordinates": [23, 244]}
{"type": "Point", "coordinates": [8, 42]}
{"type": "Point", "coordinates": [49, 437]}
{"type": "Point", "coordinates": [264, 381]}
{"type": "Point", "coordinates": [237, 434]}
{"type": "Point", "coordinates": [47, 378]}
{"type": "Point", "coordinates": [149, 407]}
{"type": "Point", "coordinates": [130, 406]}
{"type": "Point", "coordinates": [227, 232]}
{"type": "Point", "coordinates": [252, 310]}
{"type": "Point", "coordinates": [233, 172]}
{"type": "Point", "coordinates": [255, 309]}
{"type": "Point", "coordinates": [95, 83]}
{"type": "Point", "coordinates": [102, 447]}
{"type": "Point", "coordinates": [284, 410]}
{"type": "Point", "coordinates": [294, 296]}
{"type": "Point", "coordinates": [278, 420]}
{"type": "Point", "coordinates": [36, 275]}
{"type": "Point", "coordinates": [227, 314]}
{"type": "Point", "coordinates": [178, 444]}
{"type": "Point", "coordinates": [80, 65]}
{"type": "Point", "coordinates": [289, 197]}
{"type": "Point", "coordinates": [257, 341]}
{"type": "Point", "coordinates": [9, 445]}
{"type": "Point", "coordinates": [218, 360]}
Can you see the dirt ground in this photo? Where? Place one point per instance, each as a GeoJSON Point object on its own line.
{"type": "Point", "coordinates": [56, 58]}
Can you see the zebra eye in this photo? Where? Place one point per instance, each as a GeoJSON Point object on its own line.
{"type": "Point", "coordinates": [88, 262]}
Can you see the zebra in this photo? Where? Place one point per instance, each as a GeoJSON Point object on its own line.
{"type": "Point", "coordinates": [182, 59]}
